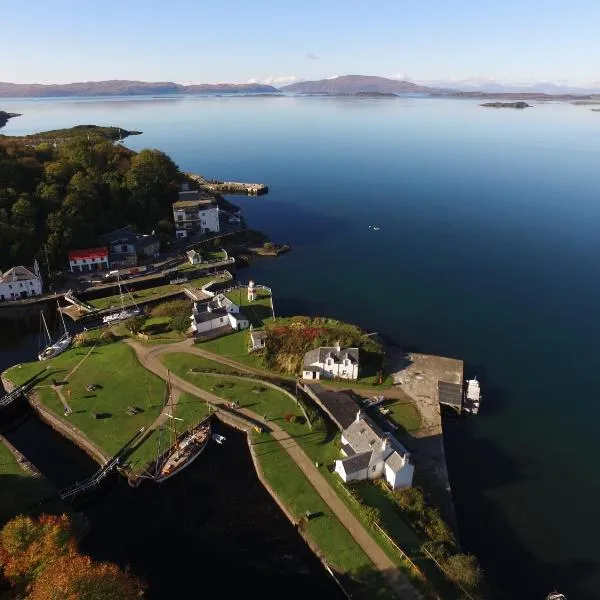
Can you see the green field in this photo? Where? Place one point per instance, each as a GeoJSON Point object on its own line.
{"type": "Point", "coordinates": [332, 538]}
{"type": "Point", "coordinates": [120, 382]}
{"type": "Point", "coordinates": [250, 393]}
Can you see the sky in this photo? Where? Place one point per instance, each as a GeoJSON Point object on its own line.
{"type": "Point", "coordinates": [281, 41]}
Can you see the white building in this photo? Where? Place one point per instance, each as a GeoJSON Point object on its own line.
{"type": "Point", "coordinates": [371, 454]}
{"type": "Point", "coordinates": [219, 313]}
{"type": "Point", "coordinates": [195, 212]}
{"type": "Point", "coordinates": [19, 282]}
{"type": "Point", "coordinates": [331, 362]}
{"type": "Point", "coordinates": [88, 260]}
{"type": "Point", "coordinates": [258, 338]}
{"type": "Point", "coordinates": [194, 257]}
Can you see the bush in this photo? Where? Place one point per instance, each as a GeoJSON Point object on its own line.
{"type": "Point", "coordinates": [464, 569]}
{"type": "Point", "coordinates": [108, 337]}
{"type": "Point", "coordinates": [135, 324]}
{"type": "Point", "coordinates": [180, 322]}
{"type": "Point", "coordinates": [172, 308]}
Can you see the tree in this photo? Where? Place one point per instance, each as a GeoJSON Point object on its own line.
{"type": "Point", "coordinates": [79, 578]}
{"type": "Point", "coordinates": [29, 545]}
{"type": "Point", "coordinates": [464, 569]}
{"type": "Point", "coordinates": [135, 324]}
{"type": "Point", "coordinates": [180, 322]}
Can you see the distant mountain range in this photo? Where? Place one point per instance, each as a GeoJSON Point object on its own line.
{"type": "Point", "coordinates": [348, 85]}
{"type": "Point", "coordinates": [353, 84]}
{"type": "Point", "coordinates": [119, 87]}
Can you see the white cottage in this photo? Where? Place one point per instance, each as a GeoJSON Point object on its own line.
{"type": "Point", "coordinates": [331, 362]}
{"type": "Point", "coordinates": [195, 212]}
{"type": "Point", "coordinates": [220, 312]}
{"type": "Point", "coordinates": [194, 257]}
{"type": "Point", "coordinates": [258, 338]}
{"type": "Point", "coordinates": [19, 282]}
{"type": "Point", "coordinates": [371, 454]}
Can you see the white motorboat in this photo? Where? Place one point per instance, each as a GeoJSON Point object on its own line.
{"type": "Point", "coordinates": [217, 437]}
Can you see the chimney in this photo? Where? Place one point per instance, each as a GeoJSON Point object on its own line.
{"type": "Point", "coordinates": [359, 415]}
{"type": "Point", "coordinates": [385, 443]}
{"type": "Point", "coordinates": [337, 347]}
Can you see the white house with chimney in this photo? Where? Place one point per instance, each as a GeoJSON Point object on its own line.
{"type": "Point", "coordinates": [331, 361]}
{"type": "Point", "coordinates": [371, 454]}
{"type": "Point", "coordinates": [219, 313]}
{"type": "Point", "coordinates": [20, 282]}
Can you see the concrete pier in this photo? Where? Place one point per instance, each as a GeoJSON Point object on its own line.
{"type": "Point", "coordinates": [230, 187]}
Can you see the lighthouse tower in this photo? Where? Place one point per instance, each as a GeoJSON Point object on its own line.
{"type": "Point", "coordinates": [251, 291]}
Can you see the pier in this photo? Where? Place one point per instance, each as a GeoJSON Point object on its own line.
{"type": "Point", "coordinates": [230, 187]}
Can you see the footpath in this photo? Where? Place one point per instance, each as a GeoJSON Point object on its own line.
{"type": "Point", "coordinates": [149, 358]}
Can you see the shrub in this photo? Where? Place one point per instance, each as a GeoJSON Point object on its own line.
{"type": "Point", "coordinates": [135, 324]}
{"type": "Point", "coordinates": [171, 309]}
{"type": "Point", "coordinates": [108, 337]}
{"type": "Point", "coordinates": [464, 569]}
{"type": "Point", "coordinates": [180, 322]}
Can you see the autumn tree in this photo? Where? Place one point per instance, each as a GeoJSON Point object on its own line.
{"type": "Point", "coordinates": [29, 545]}
{"type": "Point", "coordinates": [80, 578]}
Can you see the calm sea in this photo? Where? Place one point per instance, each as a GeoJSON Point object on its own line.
{"type": "Point", "coordinates": [488, 250]}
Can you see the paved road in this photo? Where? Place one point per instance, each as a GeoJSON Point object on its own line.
{"type": "Point", "coordinates": [149, 358]}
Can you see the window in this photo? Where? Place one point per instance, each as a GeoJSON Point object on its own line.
{"type": "Point", "coordinates": [374, 467]}
{"type": "Point", "coordinates": [221, 320]}
{"type": "Point", "coordinates": [84, 260]}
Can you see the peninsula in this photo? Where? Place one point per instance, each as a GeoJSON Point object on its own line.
{"type": "Point", "coordinates": [5, 116]}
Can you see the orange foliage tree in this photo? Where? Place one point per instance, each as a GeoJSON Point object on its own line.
{"type": "Point", "coordinates": [80, 578]}
{"type": "Point", "coordinates": [28, 545]}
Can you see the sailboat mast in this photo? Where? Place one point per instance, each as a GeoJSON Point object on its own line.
{"type": "Point", "coordinates": [46, 328]}
{"type": "Point", "coordinates": [62, 318]}
{"type": "Point", "coordinates": [170, 400]}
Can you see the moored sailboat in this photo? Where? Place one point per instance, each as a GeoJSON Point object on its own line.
{"type": "Point", "coordinates": [54, 348]}
{"type": "Point", "coordinates": [185, 448]}
{"type": "Point", "coordinates": [124, 313]}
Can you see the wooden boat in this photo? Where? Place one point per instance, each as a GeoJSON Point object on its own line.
{"type": "Point", "coordinates": [54, 348]}
{"type": "Point", "coordinates": [183, 449]}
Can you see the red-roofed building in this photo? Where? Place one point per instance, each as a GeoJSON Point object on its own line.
{"type": "Point", "coordinates": [88, 260]}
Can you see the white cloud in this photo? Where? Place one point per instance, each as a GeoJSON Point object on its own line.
{"type": "Point", "coordinates": [399, 76]}
{"type": "Point", "coordinates": [311, 56]}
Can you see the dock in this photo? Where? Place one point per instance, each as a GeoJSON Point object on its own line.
{"type": "Point", "coordinates": [230, 187]}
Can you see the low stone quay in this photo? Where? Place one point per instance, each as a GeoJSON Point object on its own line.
{"type": "Point", "coordinates": [230, 187]}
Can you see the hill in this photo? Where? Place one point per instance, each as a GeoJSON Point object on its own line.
{"type": "Point", "coordinates": [5, 116]}
{"type": "Point", "coordinates": [354, 84]}
{"type": "Point", "coordinates": [119, 87]}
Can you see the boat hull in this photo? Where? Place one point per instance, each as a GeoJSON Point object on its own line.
{"type": "Point", "coordinates": [122, 315]}
{"type": "Point", "coordinates": [171, 466]}
{"type": "Point", "coordinates": [55, 349]}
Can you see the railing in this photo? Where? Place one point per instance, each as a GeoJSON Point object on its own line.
{"type": "Point", "coordinates": [91, 483]}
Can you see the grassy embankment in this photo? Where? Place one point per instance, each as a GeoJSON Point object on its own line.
{"type": "Point", "coordinates": [152, 293]}
{"type": "Point", "coordinates": [101, 414]}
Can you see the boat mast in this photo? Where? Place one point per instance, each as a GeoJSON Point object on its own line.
{"type": "Point", "coordinates": [46, 328]}
{"type": "Point", "coordinates": [62, 318]}
{"type": "Point", "coordinates": [172, 416]}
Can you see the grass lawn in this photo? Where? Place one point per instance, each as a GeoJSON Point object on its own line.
{"type": "Point", "coordinates": [18, 488]}
{"type": "Point", "coordinates": [405, 413]}
{"type": "Point", "coordinates": [120, 382]}
{"type": "Point", "coordinates": [151, 293]}
{"type": "Point", "coordinates": [250, 393]}
{"type": "Point", "coordinates": [298, 495]}
{"type": "Point", "coordinates": [258, 311]}
{"type": "Point", "coordinates": [235, 347]}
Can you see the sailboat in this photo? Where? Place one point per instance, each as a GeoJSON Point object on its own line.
{"type": "Point", "coordinates": [184, 449]}
{"type": "Point", "coordinates": [60, 345]}
{"type": "Point", "coordinates": [123, 313]}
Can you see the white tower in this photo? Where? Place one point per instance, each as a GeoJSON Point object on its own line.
{"type": "Point", "coordinates": [251, 291]}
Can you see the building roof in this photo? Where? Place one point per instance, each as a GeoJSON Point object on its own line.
{"type": "Point", "coordinates": [357, 462]}
{"type": "Point", "coordinates": [124, 234]}
{"type": "Point", "coordinates": [258, 334]}
{"type": "Point", "coordinates": [450, 394]}
{"type": "Point", "coordinates": [209, 315]}
{"type": "Point", "coordinates": [222, 301]}
{"type": "Point", "coordinates": [395, 462]}
{"type": "Point", "coordinates": [17, 274]}
{"type": "Point", "coordinates": [88, 253]}
{"type": "Point", "coordinates": [340, 406]}
{"type": "Point", "coordinates": [193, 253]}
{"type": "Point", "coordinates": [363, 435]}
{"type": "Point", "coordinates": [148, 239]}
{"type": "Point", "coordinates": [319, 355]}
{"type": "Point", "coordinates": [203, 203]}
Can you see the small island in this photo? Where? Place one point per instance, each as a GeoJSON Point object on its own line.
{"type": "Point", "coordinates": [5, 116]}
{"type": "Point", "coordinates": [506, 105]}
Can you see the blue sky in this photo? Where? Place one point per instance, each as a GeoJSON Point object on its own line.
{"type": "Point", "coordinates": [57, 41]}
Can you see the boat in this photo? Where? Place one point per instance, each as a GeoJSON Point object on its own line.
{"type": "Point", "coordinates": [556, 596]}
{"type": "Point", "coordinates": [373, 402]}
{"type": "Point", "coordinates": [472, 397]}
{"type": "Point", "coordinates": [218, 438]}
{"type": "Point", "coordinates": [54, 348]}
{"type": "Point", "coordinates": [184, 449]}
{"type": "Point", "coordinates": [124, 313]}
